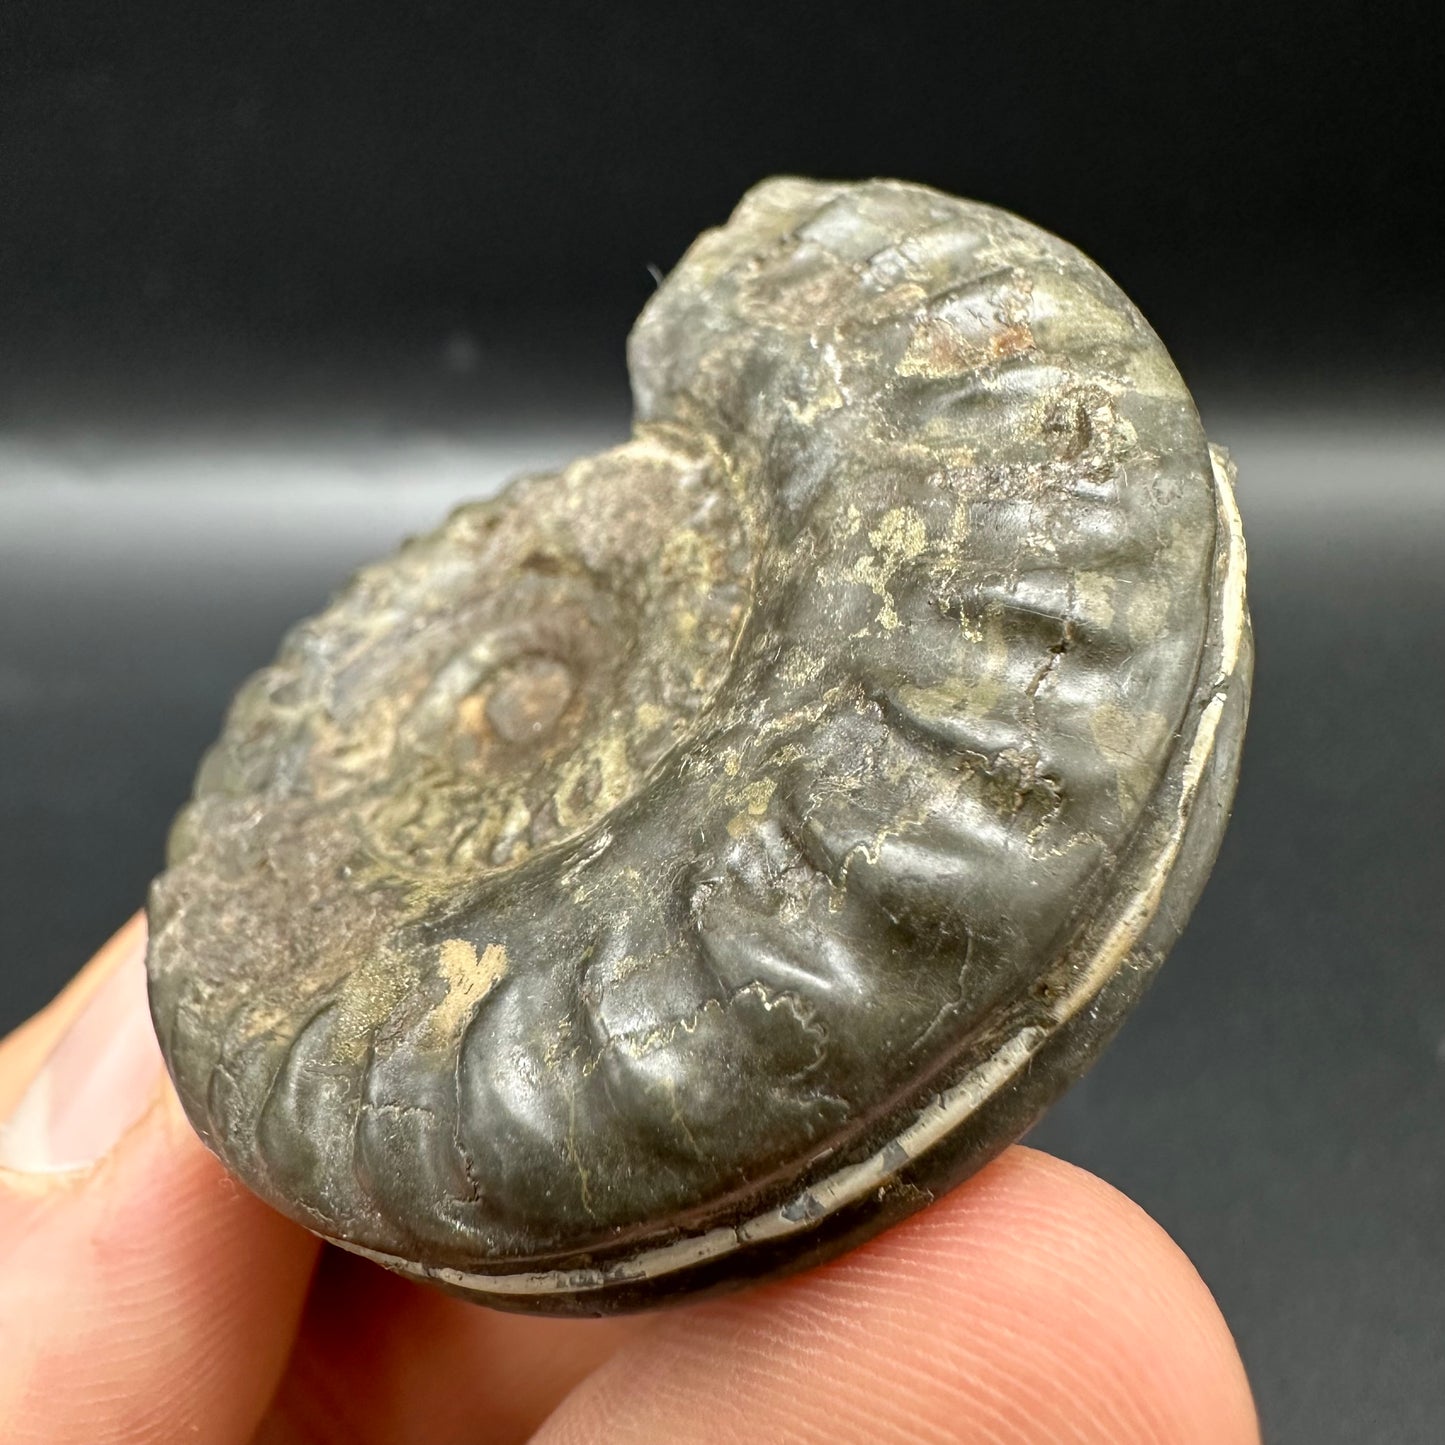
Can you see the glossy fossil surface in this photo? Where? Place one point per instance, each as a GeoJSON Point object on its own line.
{"type": "Point", "coordinates": [676, 869]}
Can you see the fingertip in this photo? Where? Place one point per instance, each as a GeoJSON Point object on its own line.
{"type": "Point", "coordinates": [1033, 1304]}
{"type": "Point", "coordinates": [160, 1300]}
{"type": "Point", "coordinates": [144, 1296]}
{"type": "Point", "coordinates": [383, 1359]}
{"type": "Point", "coordinates": [23, 1050]}
{"type": "Point", "coordinates": [1119, 1318]}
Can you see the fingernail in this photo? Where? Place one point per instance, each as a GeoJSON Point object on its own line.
{"type": "Point", "coordinates": [96, 1082]}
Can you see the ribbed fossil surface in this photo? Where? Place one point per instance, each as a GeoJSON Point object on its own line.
{"type": "Point", "coordinates": [679, 867]}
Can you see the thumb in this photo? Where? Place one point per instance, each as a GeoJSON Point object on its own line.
{"type": "Point", "coordinates": [143, 1296]}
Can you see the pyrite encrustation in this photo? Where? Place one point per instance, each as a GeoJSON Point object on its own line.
{"type": "Point", "coordinates": [680, 867]}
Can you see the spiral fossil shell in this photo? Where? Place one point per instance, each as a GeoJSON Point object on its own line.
{"type": "Point", "coordinates": [674, 870]}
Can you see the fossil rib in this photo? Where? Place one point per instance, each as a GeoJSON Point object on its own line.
{"type": "Point", "coordinates": [682, 866]}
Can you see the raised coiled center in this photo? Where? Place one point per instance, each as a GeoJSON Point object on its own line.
{"type": "Point", "coordinates": [557, 645]}
{"type": "Point", "coordinates": [524, 704]}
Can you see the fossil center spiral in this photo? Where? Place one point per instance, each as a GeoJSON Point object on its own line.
{"type": "Point", "coordinates": [564, 640]}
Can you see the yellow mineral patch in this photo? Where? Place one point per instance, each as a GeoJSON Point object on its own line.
{"type": "Point", "coordinates": [802, 665]}
{"type": "Point", "coordinates": [1095, 593]}
{"type": "Point", "coordinates": [469, 979]}
{"type": "Point", "coordinates": [899, 536]}
{"type": "Point", "coordinates": [508, 838]}
{"type": "Point", "coordinates": [630, 964]}
{"type": "Point", "coordinates": [605, 759]}
{"type": "Point", "coordinates": [754, 800]}
{"type": "Point", "coordinates": [959, 524]}
{"type": "Point", "coordinates": [757, 795]}
{"type": "Point", "coordinates": [686, 554]}
{"type": "Point", "coordinates": [358, 753]}
{"type": "Point", "coordinates": [1148, 608]}
{"type": "Point", "coordinates": [1129, 742]}
{"type": "Point", "coordinates": [992, 632]}
{"type": "Point", "coordinates": [938, 348]}
{"type": "Point", "coordinates": [963, 697]}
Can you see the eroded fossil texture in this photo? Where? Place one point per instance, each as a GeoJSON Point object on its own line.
{"type": "Point", "coordinates": [681, 866]}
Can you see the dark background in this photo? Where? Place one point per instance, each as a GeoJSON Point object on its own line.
{"type": "Point", "coordinates": [215, 183]}
{"type": "Point", "coordinates": [280, 282]}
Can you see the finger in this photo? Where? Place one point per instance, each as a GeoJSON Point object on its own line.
{"type": "Point", "coordinates": [1034, 1304]}
{"type": "Point", "coordinates": [23, 1051]}
{"type": "Point", "coordinates": [381, 1359]}
{"type": "Point", "coordinates": [143, 1296]}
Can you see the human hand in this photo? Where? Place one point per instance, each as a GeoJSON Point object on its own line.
{"type": "Point", "coordinates": [145, 1297]}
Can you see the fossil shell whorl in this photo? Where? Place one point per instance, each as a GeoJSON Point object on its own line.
{"type": "Point", "coordinates": [680, 866]}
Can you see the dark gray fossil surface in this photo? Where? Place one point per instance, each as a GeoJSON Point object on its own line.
{"type": "Point", "coordinates": [680, 867]}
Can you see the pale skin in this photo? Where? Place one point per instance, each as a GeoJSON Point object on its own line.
{"type": "Point", "coordinates": [148, 1298]}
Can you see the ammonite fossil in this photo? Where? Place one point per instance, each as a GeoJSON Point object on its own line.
{"type": "Point", "coordinates": [678, 868]}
